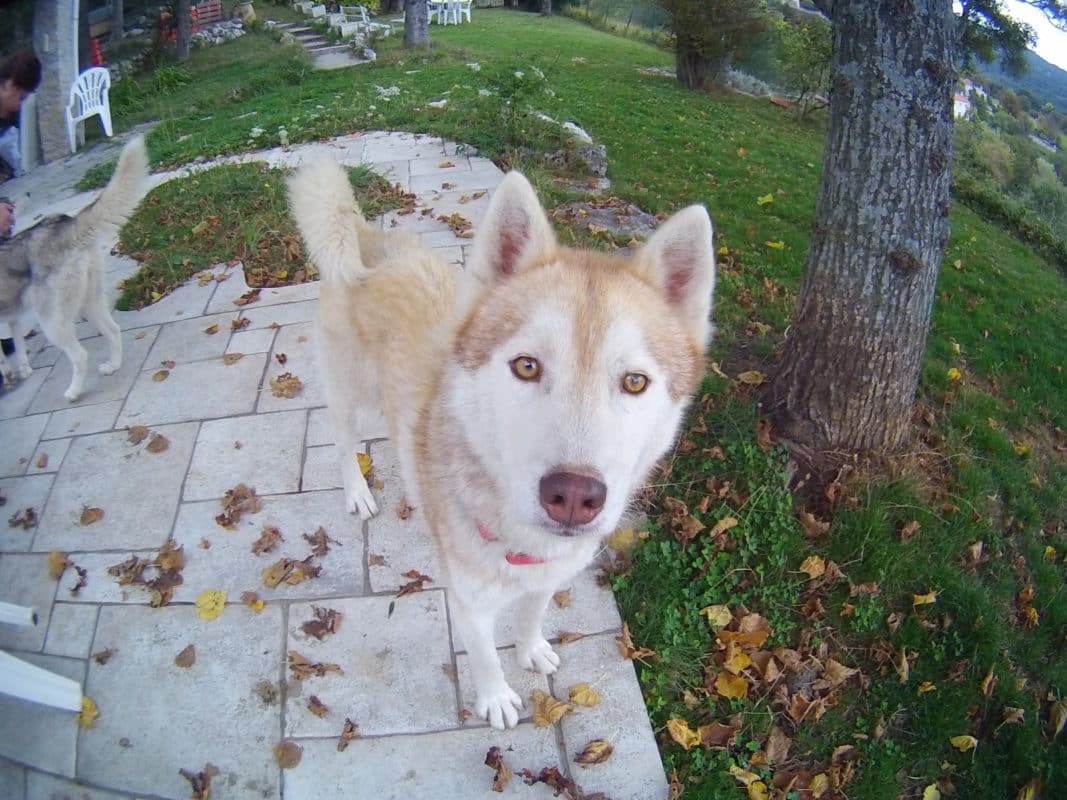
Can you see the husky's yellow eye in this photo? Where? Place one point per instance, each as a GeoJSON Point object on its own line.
{"type": "Point", "coordinates": [526, 368]}
{"type": "Point", "coordinates": [634, 382]}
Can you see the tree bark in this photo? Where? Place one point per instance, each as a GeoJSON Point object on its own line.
{"type": "Point", "coordinates": [84, 47]}
{"type": "Point", "coordinates": [416, 23]}
{"type": "Point", "coordinates": [693, 68]}
{"type": "Point", "coordinates": [546, 8]}
{"type": "Point", "coordinates": [393, 6]}
{"type": "Point", "coordinates": [117, 21]}
{"type": "Point", "coordinates": [182, 12]}
{"type": "Point", "coordinates": [851, 362]}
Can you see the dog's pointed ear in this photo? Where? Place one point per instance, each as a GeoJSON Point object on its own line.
{"type": "Point", "coordinates": [515, 230]}
{"type": "Point", "coordinates": [680, 259]}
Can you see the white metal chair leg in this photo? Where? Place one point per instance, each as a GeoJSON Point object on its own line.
{"type": "Point", "coordinates": [29, 682]}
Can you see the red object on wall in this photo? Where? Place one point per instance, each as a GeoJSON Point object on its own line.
{"type": "Point", "coordinates": [96, 55]}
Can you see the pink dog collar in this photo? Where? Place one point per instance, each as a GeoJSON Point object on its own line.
{"type": "Point", "coordinates": [518, 559]}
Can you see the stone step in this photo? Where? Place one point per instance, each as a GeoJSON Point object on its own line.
{"type": "Point", "coordinates": [328, 48]}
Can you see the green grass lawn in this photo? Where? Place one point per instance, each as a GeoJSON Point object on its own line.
{"type": "Point", "coordinates": [986, 479]}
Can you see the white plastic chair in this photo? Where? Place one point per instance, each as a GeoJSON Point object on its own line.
{"type": "Point", "coordinates": [463, 9]}
{"type": "Point", "coordinates": [29, 682]}
{"type": "Point", "coordinates": [88, 97]}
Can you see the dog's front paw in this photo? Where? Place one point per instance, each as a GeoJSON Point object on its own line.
{"type": "Point", "coordinates": [499, 705]}
{"type": "Point", "coordinates": [360, 501]}
{"type": "Point", "coordinates": [72, 394]}
{"type": "Point", "coordinates": [23, 371]}
{"type": "Point", "coordinates": [107, 368]}
{"type": "Point", "coordinates": [538, 656]}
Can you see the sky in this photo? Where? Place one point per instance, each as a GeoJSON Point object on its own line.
{"type": "Point", "coordinates": [1051, 42]}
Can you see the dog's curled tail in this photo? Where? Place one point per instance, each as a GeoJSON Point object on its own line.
{"type": "Point", "coordinates": [329, 219]}
{"type": "Point", "coordinates": [121, 195]}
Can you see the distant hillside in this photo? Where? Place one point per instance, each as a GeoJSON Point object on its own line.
{"type": "Point", "coordinates": [1044, 80]}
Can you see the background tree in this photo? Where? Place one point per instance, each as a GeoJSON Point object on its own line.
{"type": "Point", "coordinates": [806, 51]}
{"type": "Point", "coordinates": [416, 23]}
{"type": "Point", "coordinates": [850, 367]}
{"type": "Point", "coordinates": [708, 34]}
{"type": "Point", "coordinates": [546, 8]}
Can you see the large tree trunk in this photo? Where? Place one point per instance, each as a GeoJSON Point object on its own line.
{"type": "Point", "coordinates": [693, 68]}
{"type": "Point", "coordinates": [392, 6]}
{"type": "Point", "coordinates": [117, 21]}
{"type": "Point", "coordinates": [55, 41]}
{"type": "Point", "coordinates": [182, 12]}
{"type": "Point", "coordinates": [850, 369]}
{"type": "Point", "coordinates": [546, 8]}
{"type": "Point", "coordinates": [416, 23]}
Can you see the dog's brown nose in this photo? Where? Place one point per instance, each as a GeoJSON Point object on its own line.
{"type": "Point", "coordinates": [572, 499]}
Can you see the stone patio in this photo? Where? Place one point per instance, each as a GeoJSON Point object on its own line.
{"type": "Point", "coordinates": [405, 682]}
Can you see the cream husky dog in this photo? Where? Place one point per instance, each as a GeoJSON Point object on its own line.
{"type": "Point", "coordinates": [56, 270]}
{"type": "Point", "coordinates": [528, 395]}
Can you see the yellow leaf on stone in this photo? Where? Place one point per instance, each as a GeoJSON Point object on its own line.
{"type": "Point", "coordinates": [767, 198]}
{"type": "Point", "coordinates": [730, 686]}
{"type": "Point", "coordinates": [581, 695]}
{"type": "Point", "coordinates": [931, 792]}
{"type": "Point", "coordinates": [779, 245]}
{"type": "Point", "coordinates": [210, 603]}
{"type": "Point", "coordinates": [924, 599]}
{"type": "Point", "coordinates": [963, 743]}
{"type": "Point", "coordinates": [718, 616]}
{"type": "Point", "coordinates": [752, 377]}
{"type": "Point", "coordinates": [547, 710]}
{"type": "Point", "coordinates": [365, 463]}
{"type": "Point", "coordinates": [623, 539]}
{"type": "Point", "coordinates": [87, 716]}
{"type": "Point", "coordinates": [681, 733]}
{"type": "Point", "coordinates": [953, 374]}
{"type": "Point", "coordinates": [813, 566]}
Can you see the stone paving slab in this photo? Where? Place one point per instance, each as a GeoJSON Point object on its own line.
{"type": "Point", "coordinates": [268, 446]}
{"type": "Point", "coordinates": [201, 390]}
{"type": "Point", "coordinates": [21, 494]}
{"type": "Point", "coordinates": [441, 766]}
{"type": "Point", "coordinates": [230, 564]}
{"type": "Point", "coordinates": [397, 659]}
{"type": "Point", "coordinates": [98, 388]}
{"type": "Point", "coordinates": [173, 718]}
{"type": "Point", "coordinates": [405, 677]}
{"type": "Point", "coordinates": [98, 471]}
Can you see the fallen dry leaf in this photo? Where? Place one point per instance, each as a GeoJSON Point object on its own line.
{"type": "Point", "coordinates": [777, 747]}
{"type": "Point", "coordinates": [281, 358]}
{"type": "Point", "coordinates": [1057, 718]}
{"type": "Point", "coordinates": [582, 695]}
{"type": "Point", "coordinates": [813, 527]}
{"type": "Point", "coordinates": [909, 529]}
{"type": "Point", "coordinates": [566, 637]}
{"type": "Point", "coordinates": [87, 716]}
{"type": "Point", "coordinates": [160, 375]}
{"type": "Point", "coordinates": [290, 571]}
{"type": "Point", "coordinates": [596, 752]}
{"type": "Point", "coordinates": [716, 735]}
{"type": "Point", "coordinates": [752, 377]}
{"type": "Point", "coordinates": [718, 616]}
{"type": "Point", "coordinates": [547, 710]}
{"type": "Point", "coordinates": [42, 461]}
{"type": "Point", "coordinates": [269, 536]}
{"type": "Point", "coordinates": [319, 542]}
{"type": "Point", "coordinates": [286, 385]}
{"type": "Point", "coordinates": [211, 330]}
{"type": "Point", "coordinates": [136, 434]}
{"type": "Point", "coordinates": [415, 584]}
{"type": "Point", "coordinates": [562, 598]}
{"type": "Point", "coordinates": [240, 323]}
{"type": "Point", "coordinates": [210, 603]}
{"type": "Point", "coordinates": [200, 781]}
{"type": "Point", "coordinates": [348, 733]}
{"type": "Point", "coordinates": [1013, 716]}
{"type": "Point", "coordinates": [813, 566]}
{"type": "Point", "coordinates": [57, 564]}
{"type": "Point", "coordinates": [251, 296]}
{"type": "Point", "coordinates": [157, 444]}
{"type": "Point", "coordinates": [253, 601]}
{"type": "Point", "coordinates": [83, 578]}
{"type": "Point", "coordinates": [302, 668]}
{"type": "Point", "coordinates": [186, 658]}
{"type": "Point", "coordinates": [403, 510]}
{"type": "Point", "coordinates": [764, 431]}
{"type": "Point", "coordinates": [103, 656]}
{"type": "Point", "coordinates": [501, 774]}
{"type": "Point", "coordinates": [316, 706]}
{"type": "Point", "coordinates": [230, 359]}
{"type": "Point", "coordinates": [326, 621]}
{"type": "Point", "coordinates": [287, 753]}
{"type": "Point", "coordinates": [730, 686]}
{"type": "Point", "coordinates": [963, 743]}
{"type": "Point", "coordinates": [238, 500]}
{"type": "Point", "coordinates": [626, 645]}
{"type": "Point", "coordinates": [365, 464]}
{"type": "Point", "coordinates": [680, 731]}
{"type": "Point", "coordinates": [25, 519]}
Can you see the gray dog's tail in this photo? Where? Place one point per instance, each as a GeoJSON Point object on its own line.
{"type": "Point", "coordinates": [121, 195]}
